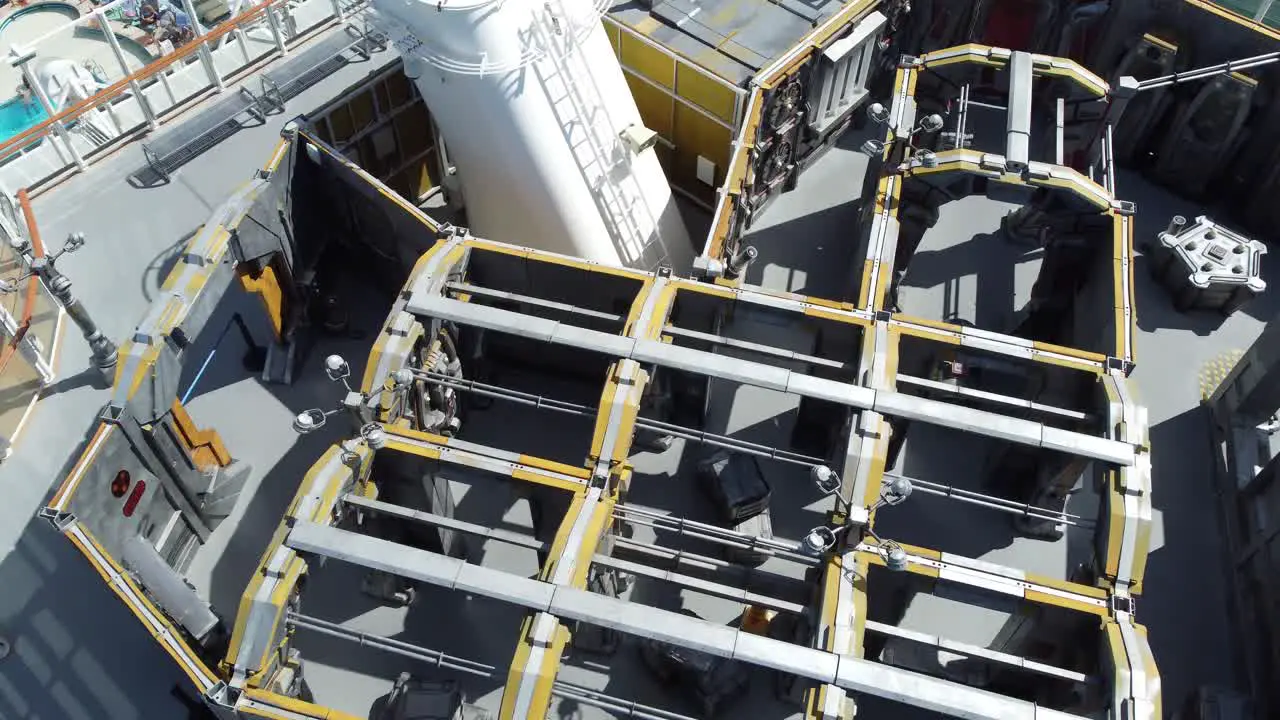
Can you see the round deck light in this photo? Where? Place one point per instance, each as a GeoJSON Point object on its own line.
{"type": "Point", "coordinates": [120, 484]}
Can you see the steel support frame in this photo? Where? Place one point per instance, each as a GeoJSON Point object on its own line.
{"type": "Point", "coordinates": [565, 602]}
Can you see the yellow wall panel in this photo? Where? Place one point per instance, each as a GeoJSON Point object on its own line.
{"type": "Point", "coordinates": [414, 130]}
{"type": "Point", "coordinates": [340, 122]}
{"type": "Point", "coordinates": [362, 111]}
{"type": "Point", "coordinates": [654, 104]}
{"type": "Point", "coordinates": [398, 89]}
{"type": "Point", "coordinates": [697, 134]}
{"type": "Point", "coordinates": [612, 31]}
{"type": "Point", "coordinates": [706, 92]}
{"type": "Point", "coordinates": [423, 172]}
{"type": "Point", "coordinates": [647, 60]}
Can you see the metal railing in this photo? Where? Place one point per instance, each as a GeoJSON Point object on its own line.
{"type": "Point", "coordinates": [142, 99]}
{"type": "Point", "coordinates": [29, 325]}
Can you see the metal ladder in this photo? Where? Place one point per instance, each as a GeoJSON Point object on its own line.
{"type": "Point", "coordinates": [584, 108]}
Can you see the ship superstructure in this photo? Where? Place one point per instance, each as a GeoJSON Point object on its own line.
{"type": "Point", "coordinates": [896, 466]}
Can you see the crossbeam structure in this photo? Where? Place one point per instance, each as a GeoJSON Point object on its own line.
{"type": "Point", "coordinates": [645, 331]}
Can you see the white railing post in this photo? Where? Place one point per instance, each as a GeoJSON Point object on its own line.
{"type": "Point", "coordinates": [28, 346]}
{"type": "Point", "coordinates": [206, 56]}
{"type": "Point", "coordinates": [277, 33]}
{"type": "Point", "coordinates": [147, 111]}
{"type": "Point", "coordinates": [22, 61]}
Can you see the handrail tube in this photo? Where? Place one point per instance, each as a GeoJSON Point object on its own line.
{"type": "Point", "coordinates": [33, 287]}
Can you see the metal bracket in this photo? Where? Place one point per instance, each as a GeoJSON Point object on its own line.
{"type": "Point", "coordinates": [60, 521]}
{"type": "Point", "coordinates": [1122, 604]}
{"type": "Point", "coordinates": [221, 700]}
{"type": "Point", "coordinates": [1115, 364]}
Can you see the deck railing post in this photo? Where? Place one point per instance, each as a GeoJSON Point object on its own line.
{"type": "Point", "coordinates": [206, 56]}
{"type": "Point", "coordinates": [147, 111]}
{"type": "Point", "coordinates": [277, 33]}
{"type": "Point", "coordinates": [22, 60]}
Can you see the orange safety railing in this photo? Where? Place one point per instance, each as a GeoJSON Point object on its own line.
{"type": "Point", "coordinates": [33, 284]}
{"type": "Point", "coordinates": [111, 92]}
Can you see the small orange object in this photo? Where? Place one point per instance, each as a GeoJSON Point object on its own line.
{"type": "Point", "coordinates": [755, 620]}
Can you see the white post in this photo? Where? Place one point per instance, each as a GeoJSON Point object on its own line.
{"type": "Point", "coordinates": [1261, 15]}
{"type": "Point", "coordinates": [276, 32]}
{"type": "Point", "coordinates": [147, 111]}
{"type": "Point", "coordinates": [206, 56]}
{"type": "Point", "coordinates": [168, 89]}
{"type": "Point", "coordinates": [22, 60]}
{"type": "Point", "coordinates": [29, 346]}
{"type": "Point", "coordinates": [211, 70]}
{"type": "Point", "coordinates": [244, 45]}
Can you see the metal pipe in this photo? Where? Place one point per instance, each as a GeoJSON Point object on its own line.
{"type": "Point", "coordinates": [1210, 71]}
{"type": "Point", "coordinates": [540, 401]}
{"type": "Point", "coordinates": [416, 652]}
{"type": "Point", "coordinates": [744, 447]}
{"type": "Point", "coordinates": [752, 347]}
{"type": "Point", "coordinates": [468, 288]}
{"type": "Point", "coordinates": [996, 503]}
{"type": "Point", "coordinates": [782, 548]}
{"type": "Point", "coordinates": [612, 704]}
{"type": "Point", "coordinates": [706, 587]}
{"type": "Point", "coordinates": [990, 396]}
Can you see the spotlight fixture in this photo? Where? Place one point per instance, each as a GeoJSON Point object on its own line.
{"type": "Point", "coordinates": [927, 158]}
{"type": "Point", "coordinates": [931, 123]}
{"type": "Point", "coordinates": [895, 558]}
{"type": "Point", "coordinates": [872, 148]}
{"type": "Point", "coordinates": [878, 113]}
{"type": "Point", "coordinates": [825, 478]}
{"type": "Point", "coordinates": [309, 421]}
{"type": "Point", "coordinates": [818, 541]}
{"type": "Point", "coordinates": [336, 367]}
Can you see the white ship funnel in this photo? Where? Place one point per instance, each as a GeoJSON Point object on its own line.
{"type": "Point", "coordinates": [541, 125]}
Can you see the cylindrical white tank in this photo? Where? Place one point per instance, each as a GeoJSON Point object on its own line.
{"type": "Point", "coordinates": [532, 105]}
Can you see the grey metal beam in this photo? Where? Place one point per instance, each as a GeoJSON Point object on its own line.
{"type": "Point", "coordinates": [975, 651]}
{"type": "Point", "coordinates": [848, 672]}
{"type": "Point", "coordinates": [1023, 432]}
{"type": "Point", "coordinates": [721, 590]}
{"type": "Point", "coordinates": [1018, 121]}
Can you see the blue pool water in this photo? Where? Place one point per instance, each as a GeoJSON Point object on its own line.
{"type": "Point", "coordinates": [16, 116]}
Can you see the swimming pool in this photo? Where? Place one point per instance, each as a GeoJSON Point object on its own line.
{"type": "Point", "coordinates": [51, 20]}
{"type": "Point", "coordinates": [17, 116]}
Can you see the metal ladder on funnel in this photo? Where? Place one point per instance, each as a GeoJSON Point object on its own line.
{"type": "Point", "coordinates": [571, 71]}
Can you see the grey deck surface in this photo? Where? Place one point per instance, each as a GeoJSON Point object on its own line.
{"type": "Point", "coordinates": [78, 653]}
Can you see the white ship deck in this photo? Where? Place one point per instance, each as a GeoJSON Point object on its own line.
{"type": "Point", "coordinates": [79, 654]}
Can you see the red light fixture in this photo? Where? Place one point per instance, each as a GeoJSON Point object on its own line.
{"type": "Point", "coordinates": [134, 498]}
{"type": "Point", "coordinates": [120, 485]}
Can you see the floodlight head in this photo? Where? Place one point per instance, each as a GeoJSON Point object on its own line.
{"type": "Point", "coordinates": [931, 123]}
{"type": "Point", "coordinates": [19, 244]}
{"type": "Point", "coordinates": [74, 242]}
{"type": "Point", "coordinates": [872, 148]}
{"type": "Point", "coordinates": [927, 158]}
{"type": "Point", "coordinates": [308, 421]}
{"type": "Point", "coordinates": [336, 367]}
{"type": "Point", "coordinates": [7, 286]}
{"type": "Point", "coordinates": [825, 478]}
{"type": "Point", "coordinates": [896, 489]}
{"type": "Point", "coordinates": [895, 558]}
{"type": "Point", "coordinates": [818, 541]}
{"type": "Point", "coordinates": [402, 377]}
{"type": "Point", "coordinates": [374, 436]}
{"type": "Point", "coordinates": [878, 113]}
